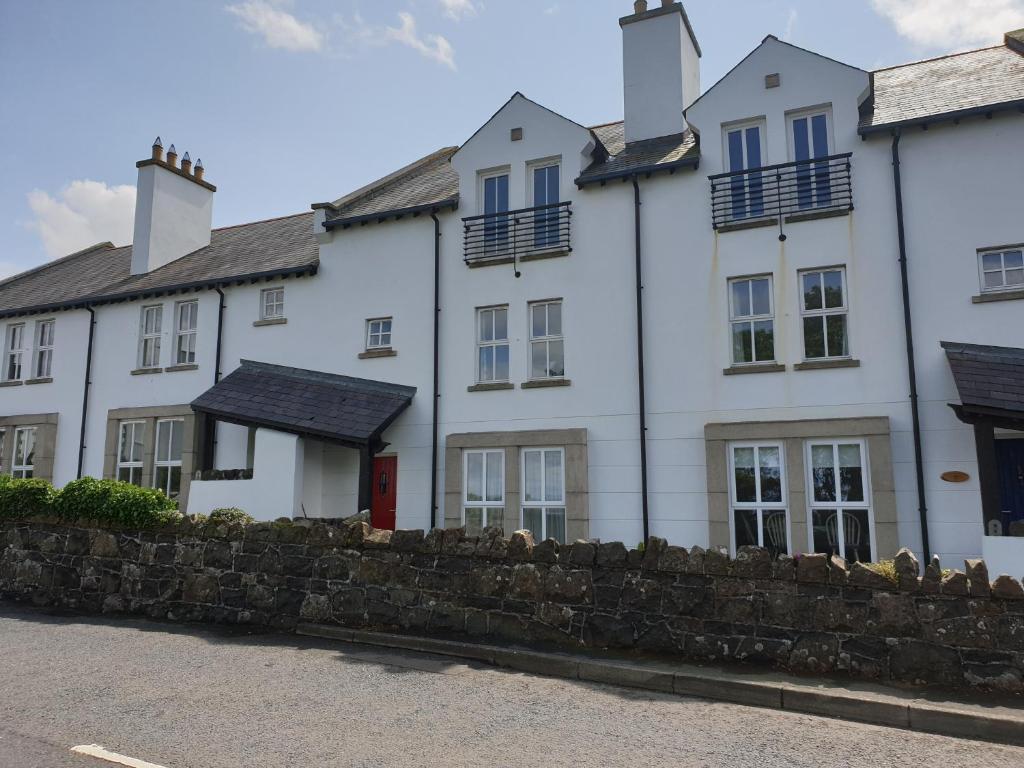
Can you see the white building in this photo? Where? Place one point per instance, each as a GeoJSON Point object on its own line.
{"type": "Point", "coordinates": [693, 323]}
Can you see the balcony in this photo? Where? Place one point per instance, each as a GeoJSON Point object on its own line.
{"type": "Point", "coordinates": [529, 233]}
{"type": "Point", "coordinates": [805, 189]}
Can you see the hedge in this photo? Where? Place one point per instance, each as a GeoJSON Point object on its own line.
{"type": "Point", "coordinates": [106, 501]}
{"type": "Point", "coordinates": [25, 498]}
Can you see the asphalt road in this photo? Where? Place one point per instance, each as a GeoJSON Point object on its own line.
{"type": "Point", "coordinates": [187, 696]}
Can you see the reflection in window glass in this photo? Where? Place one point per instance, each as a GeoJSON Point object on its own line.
{"type": "Point", "coordinates": [840, 524]}
{"type": "Point", "coordinates": [758, 498]}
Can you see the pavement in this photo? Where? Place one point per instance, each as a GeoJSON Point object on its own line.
{"type": "Point", "coordinates": [208, 697]}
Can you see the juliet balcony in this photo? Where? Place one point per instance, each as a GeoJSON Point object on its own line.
{"type": "Point", "coordinates": [522, 235]}
{"type": "Point", "coordinates": [796, 191]}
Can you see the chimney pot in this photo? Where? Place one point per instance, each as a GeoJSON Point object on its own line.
{"type": "Point", "coordinates": [172, 157]}
{"type": "Point", "coordinates": [198, 173]}
{"type": "Point", "coordinates": [158, 149]}
{"type": "Point", "coordinates": [640, 6]}
{"type": "Point", "coordinates": [186, 163]}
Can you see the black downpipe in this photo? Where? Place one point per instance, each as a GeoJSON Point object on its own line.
{"type": "Point", "coordinates": [437, 395]}
{"type": "Point", "coordinates": [640, 360]}
{"type": "Point", "coordinates": [210, 436]}
{"type": "Point", "coordinates": [911, 366]}
{"type": "Point", "coordinates": [88, 384]}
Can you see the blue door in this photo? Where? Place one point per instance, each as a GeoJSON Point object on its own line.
{"type": "Point", "coordinates": [545, 193]}
{"type": "Point", "coordinates": [744, 146]}
{"type": "Point", "coordinates": [1010, 461]}
{"type": "Point", "coordinates": [496, 210]}
{"type": "Point", "coordinates": [810, 142]}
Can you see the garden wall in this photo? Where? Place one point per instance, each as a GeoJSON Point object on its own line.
{"type": "Point", "coordinates": [809, 614]}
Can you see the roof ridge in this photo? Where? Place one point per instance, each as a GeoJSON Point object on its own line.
{"type": "Point", "coordinates": [938, 58]}
{"type": "Point", "coordinates": [383, 181]}
{"type": "Point", "coordinates": [260, 221]}
{"type": "Point", "coordinates": [59, 260]}
{"type": "Point", "coordinates": [606, 125]}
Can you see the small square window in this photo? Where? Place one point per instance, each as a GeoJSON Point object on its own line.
{"type": "Point", "coordinates": [378, 333]}
{"type": "Point", "coordinates": [1001, 270]}
{"type": "Point", "coordinates": [271, 303]}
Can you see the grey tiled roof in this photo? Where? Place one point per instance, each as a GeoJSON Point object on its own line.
{"type": "Point", "coordinates": [928, 90]}
{"type": "Point", "coordinates": [988, 377]}
{"type": "Point", "coordinates": [276, 246]}
{"type": "Point", "coordinates": [298, 401]}
{"type": "Point", "coordinates": [652, 155]}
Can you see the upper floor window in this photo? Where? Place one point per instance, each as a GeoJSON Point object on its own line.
{"type": "Point", "coordinates": [149, 342]}
{"type": "Point", "coordinates": [271, 303]}
{"type": "Point", "coordinates": [544, 493]}
{"type": "Point", "coordinates": [745, 150]}
{"type": "Point", "coordinates": [495, 203]}
{"type": "Point", "coordinates": [23, 463]}
{"type": "Point", "coordinates": [839, 499]}
{"type": "Point", "coordinates": [1002, 269]}
{"type": "Point", "coordinates": [824, 311]}
{"type": "Point", "coordinates": [130, 451]}
{"type": "Point", "coordinates": [547, 344]}
{"type": "Point", "coordinates": [44, 349]}
{"type": "Point", "coordinates": [483, 499]}
{"type": "Point", "coordinates": [757, 490]}
{"type": "Point", "coordinates": [378, 333]}
{"type": "Point", "coordinates": [169, 434]}
{"type": "Point", "coordinates": [810, 134]}
{"type": "Point", "coordinates": [752, 318]}
{"type": "Point", "coordinates": [15, 351]}
{"type": "Point", "coordinates": [546, 222]}
{"type": "Point", "coordinates": [492, 344]}
{"type": "Point", "coordinates": [186, 328]}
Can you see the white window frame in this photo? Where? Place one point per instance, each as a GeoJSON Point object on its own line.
{"type": "Point", "coordinates": [484, 504]}
{"type": "Point", "coordinates": [45, 335]}
{"type": "Point", "coordinates": [167, 463]}
{"type": "Point", "coordinates": [493, 173]}
{"type": "Point", "coordinates": [537, 165]}
{"type": "Point", "coordinates": [375, 338]}
{"type": "Point", "coordinates": [752, 319]}
{"type": "Point", "coordinates": [809, 112]}
{"type": "Point", "coordinates": [131, 465]}
{"type": "Point", "coordinates": [272, 303]}
{"type": "Point", "coordinates": [150, 339]}
{"type": "Point", "coordinates": [546, 339]}
{"type": "Point", "coordinates": [186, 335]}
{"type": "Point", "coordinates": [758, 506]}
{"type": "Point", "coordinates": [824, 312]}
{"type": "Point", "coordinates": [545, 503]}
{"type": "Point", "coordinates": [838, 505]}
{"type": "Point", "coordinates": [20, 468]}
{"type": "Point", "coordinates": [743, 125]}
{"type": "Point", "coordinates": [14, 352]}
{"type": "Point", "coordinates": [1002, 251]}
{"type": "Point", "coordinates": [494, 343]}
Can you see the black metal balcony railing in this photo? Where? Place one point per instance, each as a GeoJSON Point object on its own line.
{"type": "Point", "coordinates": [517, 234]}
{"type": "Point", "coordinates": [821, 185]}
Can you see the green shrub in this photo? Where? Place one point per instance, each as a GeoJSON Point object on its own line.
{"type": "Point", "coordinates": [230, 516]}
{"type": "Point", "coordinates": [114, 502]}
{"type": "Point", "coordinates": [25, 498]}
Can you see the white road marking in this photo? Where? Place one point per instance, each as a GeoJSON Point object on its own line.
{"type": "Point", "coordinates": [95, 750]}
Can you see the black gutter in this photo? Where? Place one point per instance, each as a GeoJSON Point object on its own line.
{"type": "Point", "coordinates": [640, 359]}
{"type": "Point", "coordinates": [397, 213]}
{"type": "Point", "coordinates": [437, 394]}
{"type": "Point", "coordinates": [645, 170]}
{"type": "Point", "coordinates": [1006, 106]}
{"type": "Point", "coordinates": [85, 392]}
{"type": "Point", "coordinates": [911, 366]}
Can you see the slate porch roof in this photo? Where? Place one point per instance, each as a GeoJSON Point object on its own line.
{"type": "Point", "coordinates": [340, 409]}
{"type": "Point", "coordinates": [990, 380]}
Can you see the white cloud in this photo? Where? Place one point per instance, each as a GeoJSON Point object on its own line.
{"type": "Point", "coordinates": [551, 10]}
{"type": "Point", "coordinates": [791, 20]}
{"type": "Point", "coordinates": [433, 47]}
{"type": "Point", "coordinates": [84, 213]}
{"type": "Point", "coordinates": [278, 28]}
{"type": "Point", "coordinates": [952, 24]}
{"type": "Point", "coordinates": [458, 9]}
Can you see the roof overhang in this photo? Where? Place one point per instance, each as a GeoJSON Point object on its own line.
{"type": "Point", "coordinates": [990, 382]}
{"type": "Point", "coordinates": [380, 217]}
{"type": "Point", "coordinates": [987, 110]}
{"type": "Point", "coordinates": [646, 171]}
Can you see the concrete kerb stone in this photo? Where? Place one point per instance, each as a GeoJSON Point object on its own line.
{"type": "Point", "coordinates": [845, 706]}
{"type": "Point", "coordinates": [929, 718]}
{"type": "Point", "coordinates": [750, 693]}
{"type": "Point", "coordinates": [626, 675]}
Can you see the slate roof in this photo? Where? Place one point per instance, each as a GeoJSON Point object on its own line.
{"type": "Point", "coordinates": [988, 378]}
{"type": "Point", "coordinates": [276, 247]}
{"type": "Point", "coordinates": [661, 154]}
{"type": "Point", "coordinates": [944, 88]}
{"type": "Point", "coordinates": [341, 409]}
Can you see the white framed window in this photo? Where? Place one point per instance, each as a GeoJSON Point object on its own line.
{"type": "Point", "coordinates": [186, 327]}
{"type": "Point", "coordinates": [167, 464]}
{"type": "Point", "coordinates": [544, 179]}
{"type": "Point", "coordinates": [378, 333]}
{"type": "Point", "coordinates": [24, 460]}
{"type": "Point", "coordinates": [483, 493]}
{"type": "Point", "coordinates": [15, 351]}
{"type": "Point", "coordinates": [44, 349]}
{"type": "Point", "coordinates": [492, 345]}
{"type": "Point", "coordinates": [757, 493]}
{"type": "Point", "coordinates": [544, 493]}
{"type": "Point", "coordinates": [825, 313]}
{"type": "Point", "coordinates": [494, 198]}
{"type": "Point", "coordinates": [130, 445]}
{"type": "Point", "coordinates": [271, 303]}
{"type": "Point", "coordinates": [839, 499]}
{"type": "Point", "coordinates": [547, 343]}
{"type": "Point", "coordinates": [1001, 269]}
{"type": "Point", "coordinates": [744, 150]}
{"type": "Point", "coordinates": [810, 138]}
{"type": "Point", "coordinates": [752, 320]}
{"type": "Point", "coordinates": [149, 338]}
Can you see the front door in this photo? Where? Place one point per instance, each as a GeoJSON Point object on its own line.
{"type": "Point", "coordinates": [1010, 460]}
{"type": "Point", "coordinates": [385, 492]}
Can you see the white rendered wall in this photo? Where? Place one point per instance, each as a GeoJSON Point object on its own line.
{"type": "Point", "coordinates": [173, 217]}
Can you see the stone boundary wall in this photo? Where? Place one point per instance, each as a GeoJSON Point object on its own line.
{"type": "Point", "coordinates": [808, 614]}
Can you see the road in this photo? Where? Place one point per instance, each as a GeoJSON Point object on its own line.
{"type": "Point", "coordinates": [209, 698]}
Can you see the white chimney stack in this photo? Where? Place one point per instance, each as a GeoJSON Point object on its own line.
{"type": "Point", "coordinates": [661, 70]}
{"type": "Point", "coordinates": [173, 210]}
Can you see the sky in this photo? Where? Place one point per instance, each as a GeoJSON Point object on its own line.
{"type": "Point", "coordinates": [291, 102]}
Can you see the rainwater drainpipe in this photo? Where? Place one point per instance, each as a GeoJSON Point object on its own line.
{"type": "Point", "coordinates": [437, 395]}
{"type": "Point", "coordinates": [88, 384]}
{"type": "Point", "coordinates": [210, 449]}
{"type": "Point", "coordinates": [640, 359]}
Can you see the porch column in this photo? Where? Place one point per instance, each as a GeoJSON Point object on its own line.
{"type": "Point", "coordinates": [988, 477]}
{"type": "Point", "coordinates": [365, 478]}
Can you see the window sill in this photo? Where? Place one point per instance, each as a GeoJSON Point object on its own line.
{"type": "Point", "coordinates": [547, 253]}
{"type": "Point", "coordinates": [177, 368]}
{"type": "Point", "coordinates": [985, 298]}
{"type": "Point", "coordinates": [819, 365]}
{"type": "Point", "coordinates": [830, 213]}
{"type": "Point", "coordinates": [370, 354]}
{"type": "Point", "coordinates": [741, 224]}
{"type": "Point", "coordinates": [270, 321]}
{"type": "Point", "coordinates": [493, 386]}
{"type": "Point", "coordinates": [11, 383]}
{"type": "Point", "coordinates": [146, 371]}
{"type": "Point", "coordinates": [543, 383]}
{"type": "Point", "coordinates": [41, 380]}
{"type": "Point", "coordinates": [506, 258]}
{"type": "Point", "coordinates": [737, 370]}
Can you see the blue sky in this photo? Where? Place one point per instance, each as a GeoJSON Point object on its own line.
{"type": "Point", "coordinates": [290, 102]}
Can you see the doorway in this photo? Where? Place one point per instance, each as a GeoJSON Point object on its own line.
{"type": "Point", "coordinates": [1010, 461]}
{"type": "Point", "coordinates": [384, 499]}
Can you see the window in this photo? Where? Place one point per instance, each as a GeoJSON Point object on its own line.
{"type": "Point", "coordinates": [752, 319]}
{"type": "Point", "coordinates": [149, 352]}
{"type": "Point", "coordinates": [271, 303]}
{"type": "Point", "coordinates": [1002, 270]}
{"type": "Point", "coordinates": [758, 495]}
{"type": "Point", "coordinates": [824, 311]}
{"type": "Point", "coordinates": [544, 493]}
{"type": "Point", "coordinates": [546, 193]}
{"type": "Point", "coordinates": [23, 465]}
{"type": "Point", "coordinates": [810, 135]}
{"type": "Point", "coordinates": [168, 456]}
{"type": "Point", "coordinates": [547, 345]}
{"type": "Point", "coordinates": [492, 344]}
{"type": "Point", "coordinates": [129, 451]}
{"type": "Point", "coordinates": [495, 197]}
{"type": "Point", "coordinates": [15, 351]}
{"type": "Point", "coordinates": [483, 499]}
{"type": "Point", "coordinates": [744, 151]}
{"type": "Point", "coordinates": [839, 499]}
{"type": "Point", "coordinates": [378, 333]}
{"type": "Point", "coordinates": [44, 349]}
{"type": "Point", "coordinates": [185, 332]}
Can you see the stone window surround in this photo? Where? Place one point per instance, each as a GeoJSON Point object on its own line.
{"type": "Point", "coordinates": [46, 442]}
{"type": "Point", "coordinates": [574, 441]}
{"type": "Point", "coordinates": [150, 415]}
{"type": "Point", "coordinates": [873, 430]}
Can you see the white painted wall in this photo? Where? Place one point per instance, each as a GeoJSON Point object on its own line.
{"type": "Point", "coordinates": [173, 216]}
{"type": "Point", "coordinates": [1003, 555]}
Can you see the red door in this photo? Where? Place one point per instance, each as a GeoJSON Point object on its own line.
{"type": "Point", "coordinates": [385, 492]}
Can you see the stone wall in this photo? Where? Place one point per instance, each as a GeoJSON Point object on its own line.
{"type": "Point", "coordinates": [809, 614]}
